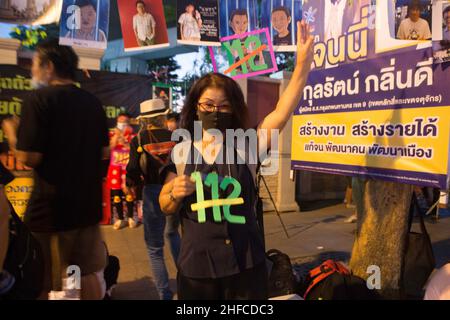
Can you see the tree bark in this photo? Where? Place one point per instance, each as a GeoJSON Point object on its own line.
{"type": "Point", "coordinates": [382, 230]}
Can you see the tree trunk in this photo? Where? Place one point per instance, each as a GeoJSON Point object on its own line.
{"type": "Point", "coordinates": [383, 213]}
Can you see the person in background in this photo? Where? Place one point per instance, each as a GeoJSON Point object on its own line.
{"type": "Point", "coordinates": [414, 27]}
{"type": "Point", "coordinates": [190, 24]}
{"type": "Point", "coordinates": [281, 20]}
{"type": "Point", "coordinates": [144, 26]}
{"type": "Point", "coordinates": [119, 144]}
{"type": "Point", "coordinates": [6, 279]}
{"type": "Point", "coordinates": [149, 152]}
{"type": "Point", "coordinates": [63, 136]}
{"type": "Point", "coordinates": [172, 121]}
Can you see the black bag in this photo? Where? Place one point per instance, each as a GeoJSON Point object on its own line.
{"type": "Point", "coordinates": [281, 278]}
{"type": "Point", "coordinates": [332, 281]}
{"type": "Point", "coordinates": [419, 261]}
{"type": "Point", "coordinates": [24, 260]}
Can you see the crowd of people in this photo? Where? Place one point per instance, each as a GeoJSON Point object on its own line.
{"type": "Point", "coordinates": [63, 135]}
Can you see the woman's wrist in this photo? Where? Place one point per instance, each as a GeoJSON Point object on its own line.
{"type": "Point", "coordinates": [172, 198]}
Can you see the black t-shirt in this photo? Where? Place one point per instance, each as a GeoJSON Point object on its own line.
{"type": "Point", "coordinates": [157, 146]}
{"type": "Point", "coordinates": [219, 249]}
{"type": "Point", "coordinates": [67, 125]}
{"type": "Point", "coordinates": [5, 175]}
{"type": "Point", "coordinates": [282, 41]}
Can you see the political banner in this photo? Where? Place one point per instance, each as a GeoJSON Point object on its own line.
{"type": "Point", "coordinates": [84, 23]}
{"type": "Point", "coordinates": [238, 17]}
{"type": "Point", "coordinates": [143, 25]}
{"type": "Point", "coordinates": [280, 17]}
{"type": "Point", "coordinates": [441, 31]}
{"type": "Point", "coordinates": [387, 118]}
{"type": "Point", "coordinates": [198, 22]}
{"type": "Point", "coordinates": [378, 107]}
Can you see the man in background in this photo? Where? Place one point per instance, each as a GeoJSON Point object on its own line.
{"type": "Point", "coordinates": [63, 136]}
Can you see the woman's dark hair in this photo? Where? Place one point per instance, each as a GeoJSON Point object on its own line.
{"type": "Point", "coordinates": [238, 12]}
{"type": "Point", "coordinates": [232, 91]}
{"type": "Point", "coordinates": [140, 2]}
{"type": "Point", "coordinates": [64, 59]}
{"type": "Point", "coordinates": [84, 3]}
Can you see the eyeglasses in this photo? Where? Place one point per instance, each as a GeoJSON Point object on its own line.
{"type": "Point", "coordinates": [210, 107]}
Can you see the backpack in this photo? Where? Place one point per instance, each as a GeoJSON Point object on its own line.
{"type": "Point", "coordinates": [24, 260]}
{"type": "Point", "coordinates": [281, 278]}
{"type": "Point", "coordinates": [332, 281]}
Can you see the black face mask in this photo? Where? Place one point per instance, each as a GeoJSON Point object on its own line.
{"type": "Point", "coordinates": [215, 120]}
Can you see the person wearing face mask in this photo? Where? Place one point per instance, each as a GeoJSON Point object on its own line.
{"type": "Point", "coordinates": [63, 136]}
{"type": "Point", "coordinates": [149, 153]}
{"type": "Point", "coordinates": [120, 139]}
{"type": "Point", "coordinates": [88, 29]}
{"type": "Point", "coordinates": [222, 251]}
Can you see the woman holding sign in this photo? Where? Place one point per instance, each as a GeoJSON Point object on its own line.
{"type": "Point", "coordinates": [222, 253]}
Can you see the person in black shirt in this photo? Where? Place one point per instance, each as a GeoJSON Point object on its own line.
{"type": "Point", "coordinates": [149, 153]}
{"type": "Point", "coordinates": [281, 19]}
{"type": "Point", "coordinates": [222, 253]}
{"type": "Point", "coordinates": [63, 135]}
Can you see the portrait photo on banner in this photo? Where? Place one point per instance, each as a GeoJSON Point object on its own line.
{"type": "Point", "coordinates": [238, 17]}
{"type": "Point", "coordinates": [30, 12]}
{"type": "Point", "coordinates": [164, 92]}
{"type": "Point", "coordinates": [441, 31]}
{"type": "Point", "coordinates": [84, 23]}
{"type": "Point", "coordinates": [280, 17]}
{"type": "Point", "coordinates": [413, 19]}
{"type": "Point", "coordinates": [198, 22]}
{"type": "Point", "coordinates": [143, 24]}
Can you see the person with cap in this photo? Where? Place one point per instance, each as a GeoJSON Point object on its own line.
{"type": "Point", "coordinates": [150, 152]}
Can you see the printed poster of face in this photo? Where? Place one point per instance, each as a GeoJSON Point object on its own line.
{"type": "Point", "coordinates": [30, 12]}
{"type": "Point", "coordinates": [143, 24]}
{"type": "Point", "coordinates": [330, 19]}
{"type": "Point", "coordinates": [198, 22]}
{"type": "Point", "coordinates": [280, 16]}
{"type": "Point", "coordinates": [413, 19]}
{"type": "Point", "coordinates": [163, 92]}
{"type": "Point", "coordinates": [238, 17]}
{"type": "Point", "coordinates": [441, 31]}
{"type": "Point", "coordinates": [84, 23]}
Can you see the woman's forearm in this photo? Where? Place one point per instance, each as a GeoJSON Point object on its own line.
{"type": "Point", "coordinates": [166, 202]}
